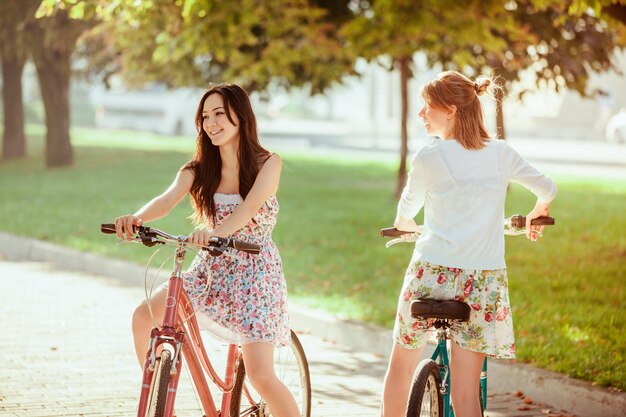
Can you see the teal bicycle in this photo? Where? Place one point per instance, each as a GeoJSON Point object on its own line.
{"type": "Point", "coordinates": [430, 390]}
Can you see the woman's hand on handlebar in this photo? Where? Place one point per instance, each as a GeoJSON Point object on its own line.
{"type": "Point", "coordinates": [533, 232]}
{"type": "Point", "coordinates": [407, 225]}
{"type": "Point", "coordinates": [126, 225]}
{"type": "Point", "coordinates": [200, 237]}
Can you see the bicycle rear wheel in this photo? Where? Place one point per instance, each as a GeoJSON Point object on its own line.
{"type": "Point", "coordinates": [158, 387]}
{"type": "Point", "coordinates": [291, 367]}
{"type": "Point", "coordinates": [425, 399]}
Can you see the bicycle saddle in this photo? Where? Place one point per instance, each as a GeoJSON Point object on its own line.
{"type": "Point", "coordinates": [440, 309]}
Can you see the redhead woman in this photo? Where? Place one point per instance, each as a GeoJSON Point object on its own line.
{"type": "Point", "coordinates": [460, 180]}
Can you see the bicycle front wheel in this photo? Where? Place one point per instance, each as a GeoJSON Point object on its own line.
{"type": "Point", "coordinates": [291, 367]}
{"type": "Point", "coordinates": [425, 399]}
{"type": "Point", "coordinates": [158, 387]}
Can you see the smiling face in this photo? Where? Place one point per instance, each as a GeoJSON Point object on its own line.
{"type": "Point", "coordinates": [216, 124]}
{"type": "Point", "coordinates": [437, 121]}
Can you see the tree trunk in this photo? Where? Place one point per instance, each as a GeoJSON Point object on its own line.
{"type": "Point", "coordinates": [55, 93]}
{"type": "Point", "coordinates": [14, 142]}
{"type": "Point", "coordinates": [500, 132]}
{"type": "Point", "coordinates": [13, 53]}
{"type": "Point", "coordinates": [52, 41]}
{"type": "Point", "coordinates": [405, 63]}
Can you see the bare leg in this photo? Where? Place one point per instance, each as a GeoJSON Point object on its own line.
{"type": "Point", "coordinates": [259, 361]}
{"type": "Point", "coordinates": [398, 380]}
{"type": "Point", "coordinates": [465, 368]}
{"type": "Point", "coordinates": [142, 322]}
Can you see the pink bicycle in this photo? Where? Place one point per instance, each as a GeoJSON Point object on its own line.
{"type": "Point", "coordinates": [177, 341]}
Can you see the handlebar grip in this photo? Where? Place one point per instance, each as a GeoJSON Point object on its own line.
{"type": "Point", "coordinates": [108, 228]}
{"type": "Point", "coordinates": [217, 245]}
{"type": "Point", "coordinates": [246, 247]}
{"type": "Point", "coordinates": [392, 232]}
{"type": "Point", "coordinates": [519, 222]}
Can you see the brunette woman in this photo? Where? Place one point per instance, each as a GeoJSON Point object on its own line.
{"type": "Point", "coordinates": [233, 182]}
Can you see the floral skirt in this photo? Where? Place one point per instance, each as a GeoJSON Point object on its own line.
{"type": "Point", "coordinates": [490, 326]}
{"type": "Point", "coordinates": [241, 299]}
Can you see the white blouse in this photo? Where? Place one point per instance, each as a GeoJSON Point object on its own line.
{"type": "Point", "coordinates": [463, 192]}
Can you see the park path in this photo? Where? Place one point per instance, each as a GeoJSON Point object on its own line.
{"type": "Point", "coordinates": [66, 350]}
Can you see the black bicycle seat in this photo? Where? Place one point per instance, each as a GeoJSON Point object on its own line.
{"type": "Point", "coordinates": [440, 309]}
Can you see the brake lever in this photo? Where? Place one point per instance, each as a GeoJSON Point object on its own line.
{"type": "Point", "coordinates": [217, 246]}
{"type": "Point", "coordinates": [412, 237]}
{"type": "Point", "coordinates": [148, 238]}
{"type": "Point", "coordinates": [514, 231]}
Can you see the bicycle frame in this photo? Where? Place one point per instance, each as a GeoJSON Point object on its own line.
{"type": "Point", "coordinates": [181, 334]}
{"type": "Point", "coordinates": [440, 355]}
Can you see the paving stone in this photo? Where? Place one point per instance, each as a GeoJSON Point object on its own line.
{"type": "Point", "coordinates": [70, 353]}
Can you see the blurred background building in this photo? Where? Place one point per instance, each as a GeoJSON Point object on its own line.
{"type": "Point", "coordinates": [365, 109]}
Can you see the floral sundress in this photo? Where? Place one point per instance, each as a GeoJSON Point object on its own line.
{"type": "Point", "coordinates": [490, 326]}
{"type": "Point", "coordinates": [246, 300]}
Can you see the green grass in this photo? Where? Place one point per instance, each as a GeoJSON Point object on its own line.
{"type": "Point", "coordinates": [567, 290]}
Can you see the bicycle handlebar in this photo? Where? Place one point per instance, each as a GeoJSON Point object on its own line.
{"type": "Point", "coordinates": [148, 235]}
{"type": "Point", "coordinates": [516, 221]}
{"type": "Point", "coordinates": [109, 228]}
{"type": "Point", "coordinates": [393, 232]}
{"type": "Point", "coordinates": [519, 221]}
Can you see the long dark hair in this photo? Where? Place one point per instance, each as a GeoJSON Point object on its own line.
{"type": "Point", "coordinates": [206, 164]}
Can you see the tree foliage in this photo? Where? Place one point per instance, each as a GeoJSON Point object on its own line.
{"type": "Point", "coordinates": [299, 42]}
{"type": "Point", "coordinates": [561, 50]}
{"type": "Point", "coordinates": [561, 42]}
{"type": "Point", "coordinates": [561, 45]}
{"type": "Point", "coordinates": [613, 11]}
{"type": "Point", "coordinates": [182, 43]}
{"type": "Point", "coordinates": [289, 43]}
{"type": "Point", "coordinates": [397, 29]}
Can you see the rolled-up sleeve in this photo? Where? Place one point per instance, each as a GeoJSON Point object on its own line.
{"type": "Point", "coordinates": [523, 173]}
{"type": "Point", "coordinates": [414, 193]}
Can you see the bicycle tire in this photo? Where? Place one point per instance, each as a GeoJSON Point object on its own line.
{"type": "Point", "coordinates": [158, 386]}
{"type": "Point", "coordinates": [291, 367]}
{"type": "Point", "coordinates": [426, 386]}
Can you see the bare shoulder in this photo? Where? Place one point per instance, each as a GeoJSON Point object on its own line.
{"type": "Point", "coordinates": [186, 173]}
{"type": "Point", "coordinates": [187, 166]}
{"type": "Point", "coordinates": [273, 162]}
